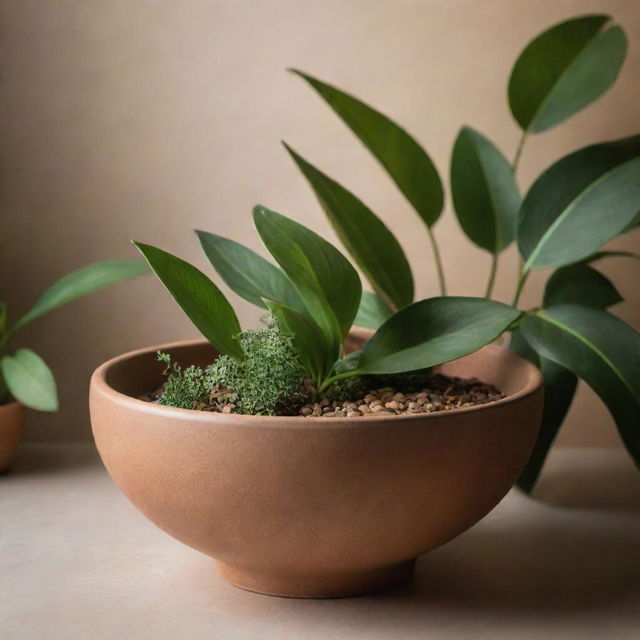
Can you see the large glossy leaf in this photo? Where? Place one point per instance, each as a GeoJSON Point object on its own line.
{"type": "Point", "coordinates": [434, 331]}
{"type": "Point", "coordinates": [199, 298]}
{"type": "Point", "coordinates": [580, 284]}
{"type": "Point", "coordinates": [602, 350]}
{"type": "Point", "coordinates": [30, 380]}
{"type": "Point", "coordinates": [579, 203]}
{"type": "Point", "coordinates": [248, 274]}
{"type": "Point", "coordinates": [403, 158]}
{"type": "Point", "coordinates": [373, 247]}
{"type": "Point", "coordinates": [327, 283]}
{"type": "Point", "coordinates": [372, 312]}
{"type": "Point", "coordinates": [308, 338]}
{"type": "Point", "coordinates": [564, 69]}
{"type": "Point", "coordinates": [484, 190]}
{"type": "Point", "coordinates": [81, 282]}
{"type": "Point", "coordinates": [559, 390]}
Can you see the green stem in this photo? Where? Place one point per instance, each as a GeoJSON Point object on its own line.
{"type": "Point", "coordinates": [338, 376]}
{"type": "Point", "coordinates": [514, 165]}
{"type": "Point", "coordinates": [492, 275]}
{"type": "Point", "coordinates": [524, 274]}
{"type": "Point", "coordinates": [519, 148]}
{"type": "Point", "coordinates": [438, 261]}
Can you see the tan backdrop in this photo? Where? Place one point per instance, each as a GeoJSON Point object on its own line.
{"type": "Point", "coordinates": [145, 119]}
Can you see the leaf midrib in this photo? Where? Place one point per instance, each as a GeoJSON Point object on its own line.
{"type": "Point", "coordinates": [546, 236]}
{"type": "Point", "coordinates": [497, 235]}
{"type": "Point", "coordinates": [591, 346]}
{"type": "Point", "coordinates": [558, 81]}
{"type": "Point", "coordinates": [395, 354]}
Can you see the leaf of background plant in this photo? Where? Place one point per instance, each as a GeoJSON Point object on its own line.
{"type": "Point", "coordinates": [325, 280]}
{"type": "Point", "coordinates": [199, 298]}
{"type": "Point", "coordinates": [373, 247]}
{"type": "Point", "coordinates": [249, 274]}
{"type": "Point", "coordinates": [3, 317]}
{"type": "Point", "coordinates": [30, 380]}
{"type": "Point", "coordinates": [599, 255]}
{"type": "Point", "coordinates": [579, 203]}
{"type": "Point", "coordinates": [484, 190]}
{"type": "Point", "coordinates": [372, 312]}
{"type": "Point", "coordinates": [580, 284]}
{"type": "Point", "coordinates": [402, 157]}
{"type": "Point", "coordinates": [602, 350]}
{"type": "Point", "coordinates": [311, 343]}
{"type": "Point", "coordinates": [563, 70]}
{"type": "Point", "coordinates": [433, 331]}
{"type": "Point", "coordinates": [81, 282]}
{"type": "Point", "coordinates": [559, 389]}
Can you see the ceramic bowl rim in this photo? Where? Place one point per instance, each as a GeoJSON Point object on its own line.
{"type": "Point", "coordinates": [100, 386]}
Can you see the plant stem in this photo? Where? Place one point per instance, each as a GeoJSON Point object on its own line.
{"type": "Point", "coordinates": [492, 275]}
{"type": "Point", "coordinates": [514, 166]}
{"type": "Point", "coordinates": [524, 274]}
{"type": "Point", "coordinates": [332, 379]}
{"type": "Point", "coordinates": [519, 148]}
{"type": "Point", "coordinates": [438, 261]}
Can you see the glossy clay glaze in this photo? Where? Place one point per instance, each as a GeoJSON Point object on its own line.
{"type": "Point", "coordinates": [313, 507]}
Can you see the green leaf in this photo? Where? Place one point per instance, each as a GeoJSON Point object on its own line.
{"type": "Point", "coordinates": [81, 282]}
{"type": "Point", "coordinates": [308, 338]}
{"type": "Point", "coordinates": [580, 284]}
{"type": "Point", "coordinates": [634, 224]}
{"type": "Point", "coordinates": [433, 331]}
{"type": "Point", "coordinates": [599, 255]}
{"type": "Point", "coordinates": [30, 380]}
{"type": "Point", "coordinates": [325, 280]}
{"type": "Point", "coordinates": [373, 311]}
{"type": "Point", "coordinates": [403, 158]}
{"type": "Point", "coordinates": [559, 390]}
{"type": "Point", "coordinates": [373, 247]}
{"type": "Point", "coordinates": [602, 350]}
{"type": "Point", "coordinates": [579, 203]}
{"type": "Point", "coordinates": [565, 69]}
{"type": "Point", "coordinates": [248, 274]}
{"type": "Point", "coordinates": [199, 298]}
{"type": "Point", "coordinates": [349, 362]}
{"type": "Point", "coordinates": [484, 190]}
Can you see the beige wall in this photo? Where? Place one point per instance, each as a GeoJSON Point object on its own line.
{"type": "Point", "coordinates": [139, 119]}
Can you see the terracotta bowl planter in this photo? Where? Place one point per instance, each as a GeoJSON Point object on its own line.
{"type": "Point", "coordinates": [11, 421]}
{"type": "Point", "coordinates": [313, 507]}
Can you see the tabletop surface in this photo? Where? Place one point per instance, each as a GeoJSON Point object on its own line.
{"type": "Point", "coordinates": [77, 561]}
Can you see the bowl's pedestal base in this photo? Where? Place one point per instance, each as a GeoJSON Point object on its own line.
{"type": "Point", "coordinates": [331, 585]}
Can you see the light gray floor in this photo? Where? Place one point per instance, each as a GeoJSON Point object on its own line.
{"type": "Point", "coordinates": [77, 561]}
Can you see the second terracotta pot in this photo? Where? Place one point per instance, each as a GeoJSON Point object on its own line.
{"type": "Point", "coordinates": [313, 507]}
{"type": "Point", "coordinates": [11, 422]}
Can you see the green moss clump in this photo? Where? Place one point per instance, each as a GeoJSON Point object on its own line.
{"type": "Point", "coordinates": [184, 388]}
{"type": "Point", "coordinates": [268, 381]}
